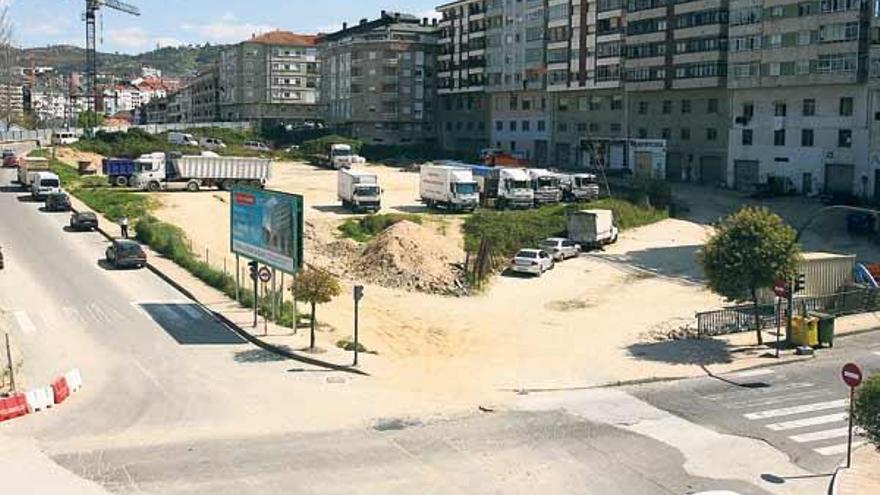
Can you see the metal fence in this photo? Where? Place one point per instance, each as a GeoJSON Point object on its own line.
{"type": "Point", "coordinates": [742, 318]}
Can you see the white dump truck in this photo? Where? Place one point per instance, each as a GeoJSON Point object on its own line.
{"type": "Point", "coordinates": [359, 190]}
{"type": "Point", "coordinates": [580, 187]}
{"type": "Point", "coordinates": [448, 187]}
{"type": "Point", "coordinates": [341, 156]}
{"type": "Point", "coordinates": [155, 172]}
{"type": "Point", "coordinates": [546, 186]}
{"type": "Point", "coordinates": [509, 188]}
{"type": "Point", "coordinates": [592, 228]}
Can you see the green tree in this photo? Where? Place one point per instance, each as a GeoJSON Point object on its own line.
{"type": "Point", "coordinates": [315, 286]}
{"type": "Point", "coordinates": [867, 408]}
{"type": "Point", "coordinates": [749, 250]}
{"type": "Point", "coordinates": [83, 119]}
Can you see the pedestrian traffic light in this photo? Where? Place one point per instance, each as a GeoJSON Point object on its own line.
{"type": "Point", "coordinates": [252, 266]}
{"type": "Point", "coordinates": [799, 282]}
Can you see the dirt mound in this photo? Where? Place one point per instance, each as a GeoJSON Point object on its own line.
{"type": "Point", "coordinates": [412, 257]}
{"type": "Point", "coordinates": [72, 157]}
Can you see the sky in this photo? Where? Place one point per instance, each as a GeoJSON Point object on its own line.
{"type": "Point", "coordinates": [175, 22]}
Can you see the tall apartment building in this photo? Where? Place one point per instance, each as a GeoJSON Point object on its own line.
{"type": "Point", "coordinates": [205, 91]}
{"type": "Point", "coordinates": [803, 102]}
{"type": "Point", "coordinates": [462, 104]}
{"type": "Point", "coordinates": [378, 79]}
{"type": "Point", "coordinates": [270, 79]}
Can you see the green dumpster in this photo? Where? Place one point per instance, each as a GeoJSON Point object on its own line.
{"type": "Point", "coordinates": [826, 328]}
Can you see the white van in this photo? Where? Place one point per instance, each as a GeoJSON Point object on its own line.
{"type": "Point", "coordinates": [182, 138]}
{"type": "Point", "coordinates": [44, 184]}
{"type": "Point", "coordinates": [210, 143]}
{"type": "Point", "coordinates": [63, 138]}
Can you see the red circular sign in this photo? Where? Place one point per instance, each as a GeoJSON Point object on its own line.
{"type": "Point", "coordinates": [851, 374]}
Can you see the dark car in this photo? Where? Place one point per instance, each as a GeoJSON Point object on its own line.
{"type": "Point", "coordinates": [57, 202]}
{"type": "Point", "coordinates": [84, 220]}
{"type": "Point", "coordinates": [124, 253]}
{"type": "Point", "coordinates": [10, 160]}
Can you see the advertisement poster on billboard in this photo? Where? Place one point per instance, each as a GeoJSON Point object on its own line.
{"type": "Point", "coordinates": [266, 226]}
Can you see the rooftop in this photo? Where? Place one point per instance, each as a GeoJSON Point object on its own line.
{"type": "Point", "coordinates": [284, 38]}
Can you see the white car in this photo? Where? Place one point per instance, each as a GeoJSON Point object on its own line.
{"type": "Point", "coordinates": [212, 144]}
{"type": "Point", "coordinates": [534, 261]}
{"type": "Point", "coordinates": [560, 248]}
{"type": "Point", "coordinates": [257, 146]}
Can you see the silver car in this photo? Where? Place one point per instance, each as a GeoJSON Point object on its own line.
{"type": "Point", "coordinates": [534, 261]}
{"type": "Point", "coordinates": [560, 248]}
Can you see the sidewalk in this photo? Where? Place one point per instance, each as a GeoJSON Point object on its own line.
{"type": "Point", "coordinates": [864, 476]}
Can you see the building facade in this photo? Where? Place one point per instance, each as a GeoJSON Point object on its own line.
{"type": "Point", "coordinates": [270, 79]}
{"type": "Point", "coordinates": [378, 79]}
{"type": "Point", "coordinates": [205, 91]}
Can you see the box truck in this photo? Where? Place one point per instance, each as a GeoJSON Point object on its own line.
{"type": "Point", "coordinates": [592, 228]}
{"type": "Point", "coordinates": [448, 187]}
{"type": "Point", "coordinates": [359, 190]}
{"type": "Point", "coordinates": [28, 169]}
{"type": "Point", "coordinates": [340, 156]}
{"type": "Point", "coordinates": [156, 172]}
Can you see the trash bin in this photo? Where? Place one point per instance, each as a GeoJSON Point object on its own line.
{"type": "Point", "coordinates": [805, 331]}
{"type": "Point", "coordinates": [826, 328]}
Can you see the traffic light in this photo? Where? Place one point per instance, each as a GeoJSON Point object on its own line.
{"type": "Point", "coordinates": [799, 282]}
{"type": "Point", "coordinates": [358, 292]}
{"type": "Point", "coordinates": [252, 266]}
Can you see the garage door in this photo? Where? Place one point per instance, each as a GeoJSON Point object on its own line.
{"type": "Point", "coordinates": [712, 171]}
{"type": "Point", "coordinates": [673, 167]}
{"type": "Point", "coordinates": [839, 178]}
{"type": "Point", "coordinates": [745, 174]}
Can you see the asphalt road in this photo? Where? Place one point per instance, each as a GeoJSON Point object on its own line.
{"type": "Point", "coordinates": [800, 408]}
{"type": "Point", "coordinates": [175, 403]}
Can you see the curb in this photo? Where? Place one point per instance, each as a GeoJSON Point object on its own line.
{"type": "Point", "coordinates": [833, 485]}
{"type": "Point", "coordinates": [235, 328]}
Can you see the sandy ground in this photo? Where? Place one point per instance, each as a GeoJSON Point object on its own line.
{"type": "Point", "coordinates": [73, 157]}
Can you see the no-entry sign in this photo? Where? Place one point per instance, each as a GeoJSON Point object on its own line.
{"type": "Point", "coordinates": [780, 288]}
{"type": "Point", "coordinates": [852, 375]}
{"type": "Point", "coordinates": [265, 274]}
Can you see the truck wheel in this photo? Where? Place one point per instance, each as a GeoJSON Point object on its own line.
{"type": "Point", "coordinates": [153, 186]}
{"type": "Point", "coordinates": [121, 181]}
{"type": "Point", "coordinates": [192, 186]}
{"type": "Point", "coordinates": [227, 185]}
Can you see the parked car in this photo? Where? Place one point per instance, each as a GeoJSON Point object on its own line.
{"type": "Point", "coordinates": [212, 144]}
{"type": "Point", "coordinates": [84, 220]}
{"type": "Point", "coordinates": [257, 146]}
{"type": "Point", "coordinates": [123, 253]}
{"type": "Point", "coordinates": [533, 261]}
{"type": "Point", "coordinates": [10, 159]}
{"type": "Point", "coordinates": [58, 201]}
{"type": "Point", "coordinates": [560, 248]}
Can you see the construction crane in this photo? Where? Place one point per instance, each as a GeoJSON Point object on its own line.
{"type": "Point", "coordinates": [92, 7]}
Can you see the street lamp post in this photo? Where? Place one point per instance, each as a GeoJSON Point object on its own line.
{"type": "Point", "coordinates": [358, 295]}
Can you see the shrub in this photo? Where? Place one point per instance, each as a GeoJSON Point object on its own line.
{"type": "Point", "coordinates": [348, 345]}
{"type": "Point", "coordinates": [365, 228]}
{"type": "Point", "coordinates": [319, 146]}
{"type": "Point", "coordinates": [867, 408]}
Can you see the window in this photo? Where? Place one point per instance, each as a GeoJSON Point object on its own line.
{"type": "Point", "coordinates": [685, 134]}
{"type": "Point", "coordinates": [666, 133]}
{"type": "Point", "coordinates": [643, 107]}
{"type": "Point", "coordinates": [582, 127]}
{"type": "Point", "coordinates": [595, 103]}
{"type": "Point", "coordinates": [802, 67]}
{"type": "Point", "coordinates": [563, 104]}
{"type": "Point", "coordinates": [499, 125]}
{"type": "Point", "coordinates": [809, 107]}
{"type": "Point", "coordinates": [779, 109]}
{"type": "Point", "coordinates": [747, 137]}
{"type": "Point", "coordinates": [526, 125]}
{"type": "Point", "coordinates": [594, 127]}
{"type": "Point", "coordinates": [779, 137]}
{"type": "Point", "coordinates": [805, 38]}
{"type": "Point", "coordinates": [615, 127]}
{"type": "Point", "coordinates": [837, 62]}
{"type": "Point", "coordinates": [616, 102]}
{"type": "Point", "coordinates": [712, 105]}
{"type": "Point", "coordinates": [838, 5]}
{"type": "Point", "coordinates": [711, 134]}
{"type": "Point", "coordinates": [542, 125]}
{"type": "Point", "coordinates": [807, 138]}
{"type": "Point", "coordinates": [841, 31]}
{"type": "Point", "coordinates": [844, 138]}
{"type": "Point", "coordinates": [774, 40]}
{"type": "Point", "coordinates": [512, 125]}
{"type": "Point", "coordinates": [774, 69]}
{"type": "Point", "coordinates": [562, 126]}
{"type": "Point", "coordinates": [846, 106]}
{"type": "Point", "coordinates": [642, 133]}
{"type": "Point", "coordinates": [685, 106]}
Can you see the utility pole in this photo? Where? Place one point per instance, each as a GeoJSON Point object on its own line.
{"type": "Point", "coordinates": [358, 295]}
{"type": "Point", "coordinates": [11, 367]}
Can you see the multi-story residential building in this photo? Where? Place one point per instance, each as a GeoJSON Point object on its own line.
{"type": "Point", "coordinates": [180, 105]}
{"type": "Point", "coordinates": [803, 107]}
{"type": "Point", "coordinates": [378, 81]}
{"type": "Point", "coordinates": [205, 90]}
{"type": "Point", "coordinates": [271, 78]}
{"type": "Point", "coordinates": [463, 106]}
{"type": "Point", "coordinates": [11, 100]}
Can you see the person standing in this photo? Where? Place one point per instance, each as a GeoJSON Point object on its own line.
{"type": "Point", "coordinates": [123, 226]}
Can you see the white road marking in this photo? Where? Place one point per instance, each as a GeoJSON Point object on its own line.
{"type": "Point", "coordinates": [820, 435]}
{"type": "Point", "coordinates": [24, 322]}
{"type": "Point", "coordinates": [813, 421]}
{"type": "Point", "coordinates": [71, 314]}
{"type": "Point", "coordinates": [98, 313]}
{"type": "Point", "coordinates": [763, 392]}
{"type": "Point", "coordinates": [751, 373]}
{"type": "Point", "coordinates": [804, 408]}
{"type": "Point", "coordinates": [837, 449]}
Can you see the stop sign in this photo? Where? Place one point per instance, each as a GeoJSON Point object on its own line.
{"type": "Point", "coordinates": [852, 375]}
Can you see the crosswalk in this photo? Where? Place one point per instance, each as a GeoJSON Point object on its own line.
{"type": "Point", "coordinates": [804, 413]}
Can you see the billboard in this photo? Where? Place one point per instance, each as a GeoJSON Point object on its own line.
{"type": "Point", "coordinates": [266, 226]}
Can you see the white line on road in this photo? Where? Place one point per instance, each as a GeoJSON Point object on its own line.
{"type": "Point", "coordinates": [820, 435]}
{"type": "Point", "coordinates": [788, 411]}
{"type": "Point", "coordinates": [24, 322]}
{"type": "Point", "coordinates": [753, 393]}
{"type": "Point", "coordinates": [837, 449]}
{"type": "Point", "coordinates": [751, 373]}
{"type": "Point", "coordinates": [802, 423]}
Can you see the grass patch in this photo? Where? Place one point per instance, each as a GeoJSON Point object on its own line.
{"type": "Point", "coordinates": [137, 142]}
{"type": "Point", "coordinates": [365, 228]}
{"type": "Point", "coordinates": [348, 345]}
